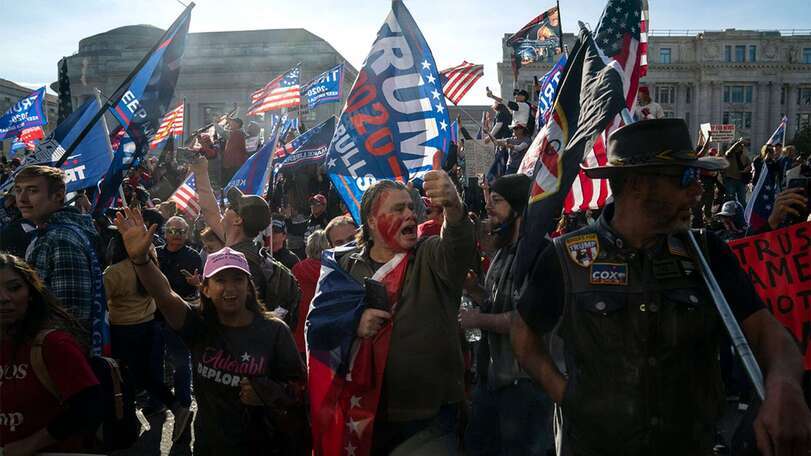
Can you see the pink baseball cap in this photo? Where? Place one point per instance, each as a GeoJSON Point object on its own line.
{"type": "Point", "coordinates": [225, 258]}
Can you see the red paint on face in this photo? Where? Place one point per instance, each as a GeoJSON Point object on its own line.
{"type": "Point", "coordinates": [389, 226]}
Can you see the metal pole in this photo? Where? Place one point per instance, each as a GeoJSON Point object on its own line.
{"type": "Point", "coordinates": [730, 323]}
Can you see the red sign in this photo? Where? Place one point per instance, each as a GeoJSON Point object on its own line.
{"type": "Point", "coordinates": [779, 265]}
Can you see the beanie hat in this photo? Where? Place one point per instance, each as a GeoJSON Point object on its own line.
{"type": "Point", "coordinates": [515, 189]}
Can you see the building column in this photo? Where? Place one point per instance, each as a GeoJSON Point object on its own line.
{"type": "Point", "coordinates": [716, 115]}
{"type": "Point", "coordinates": [792, 108]}
{"type": "Point", "coordinates": [678, 92]}
{"type": "Point", "coordinates": [695, 121]}
{"type": "Point", "coordinates": [759, 116]}
{"type": "Point", "coordinates": [705, 102]}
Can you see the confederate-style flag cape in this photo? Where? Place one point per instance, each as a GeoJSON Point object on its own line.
{"type": "Point", "coordinates": [345, 373]}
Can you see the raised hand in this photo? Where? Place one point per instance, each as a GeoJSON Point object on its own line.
{"type": "Point", "coordinates": [137, 239]}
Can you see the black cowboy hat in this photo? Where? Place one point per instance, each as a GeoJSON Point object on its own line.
{"type": "Point", "coordinates": [652, 143]}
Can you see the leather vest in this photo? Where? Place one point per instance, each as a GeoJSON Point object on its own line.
{"type": "Point", "coordinates": [641, 338]}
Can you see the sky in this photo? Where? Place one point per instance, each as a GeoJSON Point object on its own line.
{"type": "Point", "coordinates": [35, 34]}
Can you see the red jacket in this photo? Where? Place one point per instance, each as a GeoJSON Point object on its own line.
{"type": "Point", "coordinates": [306, 272]}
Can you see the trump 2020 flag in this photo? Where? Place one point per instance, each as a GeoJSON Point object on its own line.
{"type": "Point", "coordinates": [27, 112]}
{"type": "Point", "coordinates": [395, 118]}
{"type": "Point", "coordinates": [326, 88]}
{"type": "Point", "coordinates": [345, 373]}
{"type": "Point", "coordinates": [310, 147]}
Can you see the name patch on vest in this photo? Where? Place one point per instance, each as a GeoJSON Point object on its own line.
{"type": "Point", "coordinates": [609, 274]}
{"type": "Point", "coordinates": [583, 249]}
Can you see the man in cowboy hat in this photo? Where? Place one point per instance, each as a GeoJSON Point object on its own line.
{"type": "Point", "coordinates": [639, 329]}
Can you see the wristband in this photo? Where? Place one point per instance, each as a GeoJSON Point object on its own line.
{"type": "Point", "coordinates": [134, 263]}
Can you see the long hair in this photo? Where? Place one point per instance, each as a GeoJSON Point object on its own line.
{"type": "Point", "coordinates": [116, 252]}
{"type": "Point", "coordinates": [367, 204]}
{"type": "Point", "coordinates": [209, 311]}
{"type": "Point", "coordinates": [44, 309]}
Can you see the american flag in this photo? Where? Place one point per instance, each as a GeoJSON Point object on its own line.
{"type": "Point", "coordinates": [457, 81]}
{"type": "Point", "coordinates": [171, 125]}
{"type": "Point", "coordinates": [622, 36]}
{"type": "Point", "coordinates": [185, 197]}
{"type": "Point", "coordinates": [282, 92]}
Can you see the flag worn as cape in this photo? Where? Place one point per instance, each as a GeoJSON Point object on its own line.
{"type": "Point", "coordinates": [345, 373]}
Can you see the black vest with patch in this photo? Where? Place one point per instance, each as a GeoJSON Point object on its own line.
{"type": "Point", "coordinates": [641, 338]}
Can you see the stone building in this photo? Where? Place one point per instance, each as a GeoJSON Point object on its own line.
{"type": "Point", "coordinates": [10, 92]}
{"type": "Point", "coordinates": [742, 77]}
{"type": "Point", "coordinates": [219, 68]}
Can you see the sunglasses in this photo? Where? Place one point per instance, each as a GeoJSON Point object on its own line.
{"type": "Point", "coordinates": [175, 231]}
{"type": "Point", "coordinates": [687, 176]}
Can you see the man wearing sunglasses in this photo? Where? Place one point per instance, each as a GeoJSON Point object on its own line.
{"type": "Point", "coordinates": [640, 332]}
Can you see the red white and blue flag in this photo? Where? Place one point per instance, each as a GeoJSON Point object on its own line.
{"type": "Point", "coordinates": [171, 125]}
{"type": "Point", "coordinates": [345, 373]}
{"type": "Point", "coordinates": [457, 81]}
{"type": "Point", "coordinates": [779, 135]}
{"type": "Point", "coordinates": [760, 205]}
{"type": "Point", "coordinates": [282, 92]}
{"type": "Point", "coordinates": [185, 197]}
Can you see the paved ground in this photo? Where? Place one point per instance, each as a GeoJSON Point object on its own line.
{"type": "Point", "coordinates": [158, 438]}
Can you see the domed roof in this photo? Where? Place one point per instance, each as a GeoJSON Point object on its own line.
{"type": "Point", "coordinates": [126, 36]}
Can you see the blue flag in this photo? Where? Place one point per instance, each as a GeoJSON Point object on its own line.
{"type": "Point", "coordinates": [549, 91]}
{"type": "Point", "coordinates": [326, 88]}
{"type": "Point", "coordinates": [90, 159]}
{"type": "Point", "coordinates": [253, 177]}
{"type": "Point", "coordinates": [311, 149]}
{"type": "Point", "coordinates": [27, 112]}
{"type": "Point", "coordinates": [148, 95]}
{"type": "Point", "coordinates": [144, 101]}
{"type": "Point", "coordinates": [395, 119]}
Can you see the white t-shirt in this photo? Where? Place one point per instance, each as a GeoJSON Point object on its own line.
{"type": "Point", "coordinates": [521, 115]}
{"type": "Point", "coordinates": [651, 110]}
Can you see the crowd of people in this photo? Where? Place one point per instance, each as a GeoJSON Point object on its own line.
{"type": "Point", "coordinates": [610, 343]}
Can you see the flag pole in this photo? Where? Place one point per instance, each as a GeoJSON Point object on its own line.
{"type": "Point", "coordinates": [119, 92]}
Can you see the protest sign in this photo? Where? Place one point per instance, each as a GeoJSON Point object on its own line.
{"type": "Point", "coordinates": [721, 133]}
{"type": "Point", "coordinates": [779, 265]}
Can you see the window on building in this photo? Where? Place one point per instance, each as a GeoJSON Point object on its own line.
{"type": "Point", "coordinates": [783, 95]}
{"type": "Point", "coordinates": [804, 96]}
{"type": "Point", "coordinates": [688, 94]}
{"type": "Point", "coordinates": [807, 56]}
{"type": "Point", "coordinates": [740, 53]}
{"type": "Point", "coordinates": [687, 120]}
{"type": "Point", "coordinates": [741, 119]}
{"type": "Point", "coordinates": [738, 94]}
{"type": "Point", "coordinates": [665, 94]}
{"type": "Point", "coordinates": [803, 121]}
{"type": "Point", "coordinates": [664, 55]}
{"type": "Point", "coordinates": [753, 53]}
{"type": "Point", "coordinates": [727, 53]}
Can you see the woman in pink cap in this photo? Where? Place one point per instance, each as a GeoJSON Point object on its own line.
{"type": "Point", "coordinates": [245, 364]}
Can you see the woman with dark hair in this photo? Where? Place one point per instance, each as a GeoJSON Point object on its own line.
{"type": "Point", "coordinates": [245, 364]}
{"type": "Point", "coordinates": [32, 322]}
{"type": "Point", "coordinates": [135, 332]}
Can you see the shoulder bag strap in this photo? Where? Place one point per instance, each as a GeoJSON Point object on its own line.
{"type": "Point", "coordinates": [39, 367]}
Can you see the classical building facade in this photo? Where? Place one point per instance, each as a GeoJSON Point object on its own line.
{"type": "Point", "coordinates": [10, 92]}
{"type": "Point", "coordinates": [219, 68]}
{"type": "Point", "coordinates": [747, 78]}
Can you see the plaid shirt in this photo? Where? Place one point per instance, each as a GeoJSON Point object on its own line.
{"type": "Point", "coordinates": [58, 254]}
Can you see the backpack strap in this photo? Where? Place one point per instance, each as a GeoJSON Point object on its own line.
{"type": "Point", "coordinates": [38, 364]}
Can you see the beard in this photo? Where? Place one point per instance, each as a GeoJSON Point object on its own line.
{"type": "Point", "coordinates": [667, 218]}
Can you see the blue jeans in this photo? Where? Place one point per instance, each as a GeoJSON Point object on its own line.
{"type": "Point", "coordinates": [735, 189]}
{"type": "Point", "coordinates": [141, 350]}
{"type": "Point", "coordinates": [513, 420]}
{"type": "Point", "coordinates": [180, 357]}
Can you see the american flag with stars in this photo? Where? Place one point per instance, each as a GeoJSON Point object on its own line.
{"type": "Point", "coordinates": [622, 36]}
{"type": "Point", "coordinates": [457, 81]}
{"type": "Point", "coordinates": [185, 197]}
{"type": "Point", "coordinates": [760, 205]}
{"type": "Point", "coordinates": [282, 92]}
